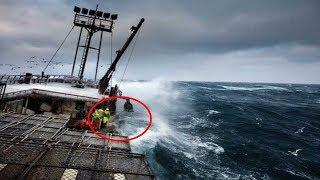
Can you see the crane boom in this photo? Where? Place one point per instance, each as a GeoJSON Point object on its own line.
{"type": "Point", "coordinates": [104, 81]}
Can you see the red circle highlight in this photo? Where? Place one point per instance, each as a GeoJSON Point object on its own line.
{"type": "Point", "coordinates": [106, 138]}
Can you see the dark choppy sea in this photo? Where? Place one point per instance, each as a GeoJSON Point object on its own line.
{"type": "Point", "coordinates": [231, 130]}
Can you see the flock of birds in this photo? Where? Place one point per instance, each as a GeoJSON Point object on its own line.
{"type": "Point", "coordinates": [32, 64]}
{"type": "Point", "coordinates": [295, 153]}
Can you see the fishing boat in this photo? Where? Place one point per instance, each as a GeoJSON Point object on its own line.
{"type": "Point", "coordinates": [38, 135]}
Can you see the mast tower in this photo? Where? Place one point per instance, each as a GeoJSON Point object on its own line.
{"type": "Point", "coordinates": [92, 21]}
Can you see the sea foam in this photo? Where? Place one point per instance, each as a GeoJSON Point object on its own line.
{"type": "Point", "coordinates": [212, 111]}
{"type": "Point", "coordinates": [239, 88]}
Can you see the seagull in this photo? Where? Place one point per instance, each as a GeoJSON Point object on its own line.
{"type": "Point", "coordinates": [295, 153]}
{"type": "Point", "coordinates": [299, 131]}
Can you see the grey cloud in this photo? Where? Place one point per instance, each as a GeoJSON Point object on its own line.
{"type": "Point", "coordinates": [222, 25]}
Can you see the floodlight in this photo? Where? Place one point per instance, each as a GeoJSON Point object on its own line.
{"type": "Point", "coordinates": [84, 11]}
{"type": "Point", "coordinates": [92, 12]}
{"type": "Point", "coordinates": [99, 13]}
{"type": "Point", "coordinates": [106, 15]}
{"type": "Point", "coordinates": [114, 16]}
{"type": "Point", "coordinates": [77, 9]}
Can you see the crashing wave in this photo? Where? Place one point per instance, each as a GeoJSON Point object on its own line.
{"type": "Point", "coordinates": [239, 88]}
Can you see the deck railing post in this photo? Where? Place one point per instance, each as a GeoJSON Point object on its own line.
{"type": "Point", "coordinates": [3, 90]}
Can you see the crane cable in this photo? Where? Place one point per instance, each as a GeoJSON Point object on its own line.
{"type": "Point", "coordinates": [130, 57]}
{"type": "Point", "coordinates": [58, 48]}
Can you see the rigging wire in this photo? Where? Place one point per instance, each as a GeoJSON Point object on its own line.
{"type": "Point", "coordinates": [111, 50]}
{"type": "Point", "coordinates": [58, 48]}
{"type": "Point", "coordinates": [130, 57]}
{"type": "Point", "coordinates": [117, 73]}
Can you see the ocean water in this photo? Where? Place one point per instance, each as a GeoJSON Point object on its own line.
{"type": "Point", "coordinates": [205, 130]}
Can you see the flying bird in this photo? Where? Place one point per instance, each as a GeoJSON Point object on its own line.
{"type": "Point", "coordinates": [299, 131]}
{"type": "Point", "coordinates": [295, 153]}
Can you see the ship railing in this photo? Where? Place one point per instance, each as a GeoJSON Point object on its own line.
{"type": "Point", "coordinates": [18, 79]}
{"type": "Point", "coordinates": [12, 79]}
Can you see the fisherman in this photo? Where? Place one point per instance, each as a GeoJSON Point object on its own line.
{"type": "Point", "coordinates": [80, 113]}
{"type": "Point", "coordinates": [128, 106]}
{"type": "Point", "coordinates": [105, 117]}
{"type": "Point", "coordinates": [78, 120]}
{"type": "Point", "coordinates": [97, 118]}
{"type": "Point", "coordinates": [112, 92]}
{"type": "Point", "coordinates": [96, 115]}
{"type": "Point", "coordinates": [117, 90]}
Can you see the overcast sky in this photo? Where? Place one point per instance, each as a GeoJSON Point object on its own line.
{"type": "Point", "coordinates": [207, 40]}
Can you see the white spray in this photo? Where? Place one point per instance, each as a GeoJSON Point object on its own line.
{"type": "Point", "coordinates": [158, 96]}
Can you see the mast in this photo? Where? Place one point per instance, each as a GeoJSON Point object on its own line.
{"type": "Point", "coordinates": [75, 56]}
{"type": "Point", "coordinates": [104, 82]}
{"type": "Point", "coordinates": [93, 21]}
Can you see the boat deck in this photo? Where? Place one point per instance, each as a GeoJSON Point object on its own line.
{"type": "Point", "coordinates": [41, 146]}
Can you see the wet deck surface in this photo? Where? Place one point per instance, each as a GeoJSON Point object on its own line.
{"type": "Point", "coordinates": [41, 146]}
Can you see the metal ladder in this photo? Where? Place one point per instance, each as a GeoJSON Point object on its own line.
{"type": "Point", "coordinates": [83, 54]}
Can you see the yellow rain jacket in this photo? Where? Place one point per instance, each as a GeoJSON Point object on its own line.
{"type": "Point", "coordinates": [106, 116]}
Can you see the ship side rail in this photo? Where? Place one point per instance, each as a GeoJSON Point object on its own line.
{"type": "Point", "coordinates": [18, 79]}
{"type": "Point", "coordinates": [28, 92]}
{"type": "Point", "coordinates": [38, 79]}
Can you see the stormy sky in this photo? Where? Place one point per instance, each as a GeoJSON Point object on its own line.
{"type": "Point", "coordinates": [207, 40]}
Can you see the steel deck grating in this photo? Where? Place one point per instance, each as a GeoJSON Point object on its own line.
{"type": "Point", "coordinates": [57, 158]}
{"type": "Point", "coordinates": [52, 148]}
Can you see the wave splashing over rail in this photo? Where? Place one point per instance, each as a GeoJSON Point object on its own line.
{"type": "Point", "coordinates": [229, 130]}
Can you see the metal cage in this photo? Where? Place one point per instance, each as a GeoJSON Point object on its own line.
{"type": "Point", "coordinates": [39, 146]}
